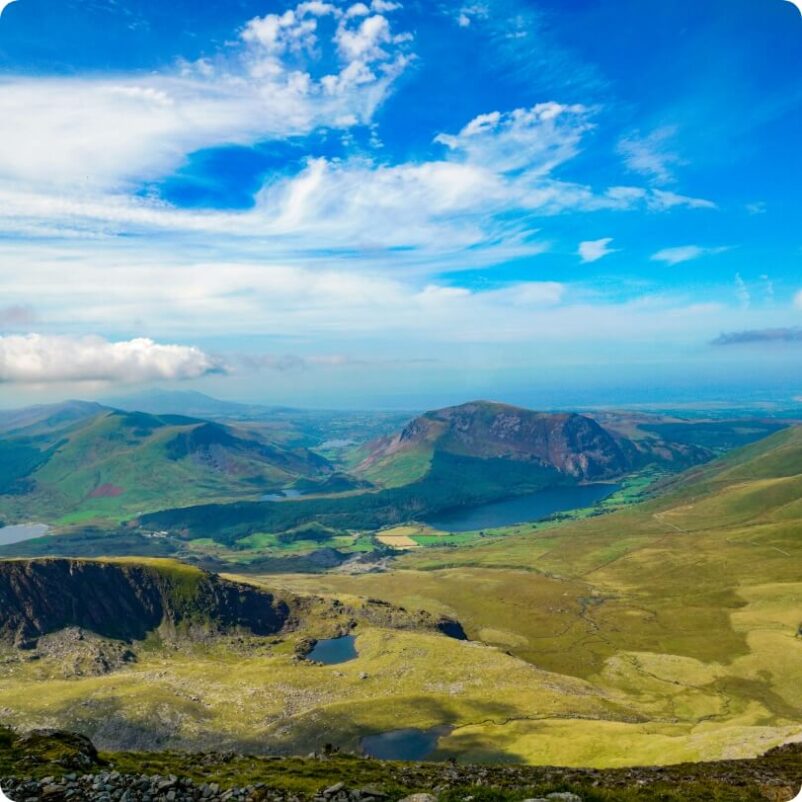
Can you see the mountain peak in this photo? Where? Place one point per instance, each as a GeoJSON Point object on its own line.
{"type": "Point", "coordinates": [572, 444]}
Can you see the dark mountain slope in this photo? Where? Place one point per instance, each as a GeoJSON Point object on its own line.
{"type": "Point", "coordinates": [127, 600]}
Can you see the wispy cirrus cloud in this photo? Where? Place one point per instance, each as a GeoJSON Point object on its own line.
{"type": "Point", "coordinates": [652, 155]}
{"type": "Point", "coordinates": [301, 362]}
{"type": "Point", "coordinates": [38, 359]}
{"type": "Point", "coordinates": [593, 250]}
{"type": "Point", "coordinates": [491, 177]}
{"type": "Point", "coordinates": [686, 253]}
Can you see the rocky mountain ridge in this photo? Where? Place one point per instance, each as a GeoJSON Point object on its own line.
{"type": "Point", "coordinates": [126, 600]}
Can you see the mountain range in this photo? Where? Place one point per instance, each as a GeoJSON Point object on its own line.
{"type": "Point", "coordinates": [79, 462]}
{"type": "Point", "coordinates": [82, 463]}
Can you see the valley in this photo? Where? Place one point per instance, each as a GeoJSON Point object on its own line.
{"type": "Point", "coordinates": [659, 626]}
{"type": "Point", "coordinates": [264, 489]}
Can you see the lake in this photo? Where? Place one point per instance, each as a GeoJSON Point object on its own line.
{"type": "Point", "coordinates": [521, 509]}
{"type": "Point", "coordinates": [21, 532]}
{"type": "Point", "coordinates": [409, 744]}
{"type": "Point", "coordinates": [334, 650]}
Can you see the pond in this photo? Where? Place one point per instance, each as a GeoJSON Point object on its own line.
{"type": "Point", "coordinates": [532, 507]}
{"type": "Point", "coordinates": [282, 495]}
{"type": "Point", "coordinates": [21, 532]}
{"type": "Point", "coordinates": [408, 744]}
{"type": "Point", "coordinates": [334, 650]}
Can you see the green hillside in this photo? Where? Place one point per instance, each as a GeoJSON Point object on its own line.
{"type": "Point", "coordinates": [684, 610]}
{"type": "Point", "coordinates": [114, 465]}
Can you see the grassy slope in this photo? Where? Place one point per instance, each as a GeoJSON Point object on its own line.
{"type": "Point", "coordinates": [685, 610]}
{"type": "Point", "coordinates": [106, 450]}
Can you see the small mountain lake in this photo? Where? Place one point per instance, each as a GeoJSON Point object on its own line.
{"type": "Point", "coordinates": [334, 650]}
{"type": "Point", "coordinates": [521, 509]}
{"type": "Point", "coordinates": [282, 495]}
{"type": "Point", "coordinates": [408, 744]}
{"type": "Point", "coordinates": [21, 532]}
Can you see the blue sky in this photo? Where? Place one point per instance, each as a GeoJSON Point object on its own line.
{"type": "Point", "coordinates": [401, 204]}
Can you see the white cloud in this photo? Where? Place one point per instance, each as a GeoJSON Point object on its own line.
{"type": "Point", "coordinates": [4, 4]}
{"type": "Point", "coordinates": [384, 6]}
{"type": "Point", "coordinates": [37, 359]}
{"type": "Point", "coordinates": [365, 42]}
{"type": "Point", "coordinates": [467, 14]}
{"type": "Point", "coordinates": [593, 250]}
{"type": "Point", "coordinates": [685, 253]}
{"type": "Point", "coordinates": [499, 162]}
{"type": "Point", "coordinates": [536, 139]}
{"type": "Point", "coordinates": [651, 155]}
{"type": "Point", "coordinates": [67, 132]}
{"type": "Point", "coordinates": [661, 200]}
{"type": "Point", "coordinates": [742, 292]}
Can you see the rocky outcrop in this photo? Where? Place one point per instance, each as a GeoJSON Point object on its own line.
{"type": "Point", "coordinates": [58, 767]}
{"type": "Point", "coordinates": [127, 600]}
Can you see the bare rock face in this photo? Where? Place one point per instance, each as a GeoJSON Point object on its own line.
{"type": "Point", "coordinates": [127, 600]}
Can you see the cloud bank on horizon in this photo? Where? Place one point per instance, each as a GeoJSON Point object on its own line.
{"type": "Point", "coordinates": [509, 190]}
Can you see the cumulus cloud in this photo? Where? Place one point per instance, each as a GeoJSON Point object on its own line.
{"type": "Point", "coordinates": [685, 253]}
{"type": "Point", "coordinates": [760, 336]}
{"type": "Point", "coordinates": [38, 359]}
{"type": "Point", "coordinates": [593, 250]}
{"type": "Point", "coordinates": [536, 139]}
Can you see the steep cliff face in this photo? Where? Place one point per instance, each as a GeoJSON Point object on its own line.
{"type": "Point", "coordinates": [127, 600]}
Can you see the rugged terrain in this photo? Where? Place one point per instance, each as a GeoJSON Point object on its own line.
{"type": "Point", "coordinates": [662, 633]}
{"type": "Point", "coordinates": [57, 766]}
{"type": "Point", "coordinates": [127, 600]}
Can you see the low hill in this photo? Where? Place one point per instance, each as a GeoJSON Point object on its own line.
{"type": "Point", "coordinates": [113, 464]}
{"type": "Point", "coordinates": [190, 403]}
